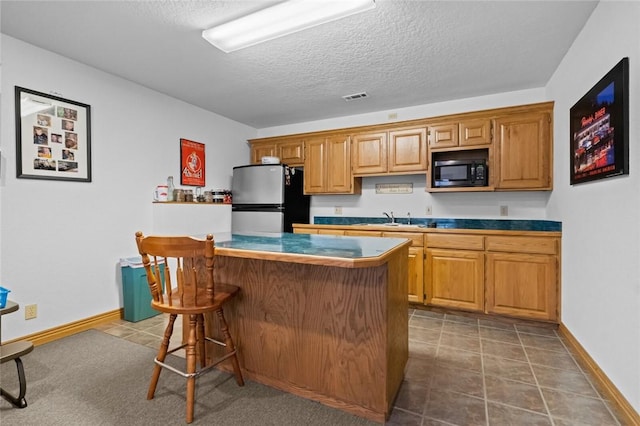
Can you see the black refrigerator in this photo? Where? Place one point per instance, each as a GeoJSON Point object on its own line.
{"type": "Point", "coordinates": [268, 198]}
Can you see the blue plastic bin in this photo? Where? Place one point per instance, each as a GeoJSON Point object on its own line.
{"type": "Point", "coordinates": [3, 296]}
{"type": "Point", "coordinates": [135, 290]}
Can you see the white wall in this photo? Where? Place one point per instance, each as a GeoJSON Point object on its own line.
{"type": "Point", "coordinates": [60, 242]}
{"type": "Point", "coordinates": [601, 220]}
{"type": "Point", "coordinates": [521, 205]}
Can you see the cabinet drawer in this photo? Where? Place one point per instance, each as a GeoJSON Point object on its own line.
{"type": "Point", "coordinates": [541, 245]}
{"type": "Point", "coordinates": [363, 233]}
{"type": "Point", "coordinates": [464, 242]}
{"type": "Point", "coordinates": [415, 237]}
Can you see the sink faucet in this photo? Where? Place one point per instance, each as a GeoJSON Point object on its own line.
{"type": "Point", "coordinates": [390, 216]}
{"type": "Point", "coordinates": [408, 218]}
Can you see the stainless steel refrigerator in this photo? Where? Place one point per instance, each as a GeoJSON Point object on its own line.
{"type": "Point", "coordinates": [268, 198]}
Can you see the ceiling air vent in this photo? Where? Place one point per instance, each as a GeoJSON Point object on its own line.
{"type": "Point", "coordinates": [355, 96]}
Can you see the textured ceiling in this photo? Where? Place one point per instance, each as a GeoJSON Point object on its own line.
{"type": "Point", "coordinates": [402, 53]}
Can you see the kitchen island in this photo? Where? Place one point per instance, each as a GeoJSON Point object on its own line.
{"type": "Point", "coordinates": [322, 317]}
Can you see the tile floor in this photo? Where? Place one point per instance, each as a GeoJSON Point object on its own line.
{"type": "Point", "coordinates": [465, 371]}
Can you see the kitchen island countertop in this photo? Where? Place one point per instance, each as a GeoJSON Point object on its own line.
{"type": "Point", "coordinates": [328, 250]}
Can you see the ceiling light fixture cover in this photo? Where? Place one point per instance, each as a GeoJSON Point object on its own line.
{"type": "Point", "coordinates": [279, 20]}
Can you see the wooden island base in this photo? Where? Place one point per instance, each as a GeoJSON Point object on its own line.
{"type": "Point", "coordinates": [334, 334]}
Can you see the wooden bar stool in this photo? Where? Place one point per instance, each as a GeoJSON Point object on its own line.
{"type": "Point", "coordinates": [194, 295]}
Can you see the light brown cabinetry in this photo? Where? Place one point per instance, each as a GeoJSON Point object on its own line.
{"type": "Point", "coordinates": [402, 150]}
{"type": "Point", "coordinates": [415, 282]}
{"type": "Point", "coordinates": [262, 150]}
{"type": "Point", "coordinates": [522, 276]}
{"type": "Point", "coordinates": [328, 166]}
{"type": "Point", "coordinates": [494, 272]}
{"type": "Point", "coordinates": [523, 146]}
{"type": "Point", "coordinates": [460, 134]}
{"type": "Point", "coordinates": [455, 271]}
{"type": "Point", "coordinates": [290, 151]}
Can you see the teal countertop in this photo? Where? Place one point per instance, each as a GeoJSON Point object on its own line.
{"type": "Point", "coordinates": [329, 246]}
{"type": "Point", "coordinates": [447, 223]}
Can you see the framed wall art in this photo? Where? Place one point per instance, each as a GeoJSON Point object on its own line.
{"type": "Point", "coordinates": [53, 137]}
{"type": "Point", "coordinates": [192, 163]}
{"type": "Point", "coordinates": [599, 126]}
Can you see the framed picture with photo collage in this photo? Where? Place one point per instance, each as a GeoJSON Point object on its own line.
{"type": "Point", "coordinates": [53, 137]}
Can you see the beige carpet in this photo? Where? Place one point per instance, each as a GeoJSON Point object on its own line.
{"type": "Point", "coordinates": [93, 378]}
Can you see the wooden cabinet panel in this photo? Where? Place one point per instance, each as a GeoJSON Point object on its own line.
{"type": "Point", "coordinates": [363, 233]}
{"type": "Point", "coordinates": [443, 135]}
{"type": "Point", "coordinates": [369, 153]}
{"type": "Point", "coordinates": [304, 231]}
{"type": "Point", "coordinates": [523, 143]}
{"type": "Point", "coordinates": [522, 285]}
{"type": "Point", "coordinates": [541, 245]}
{"type": "Point", "coordinates": [455, 279]}
{"type": "Point", "coordinates": [338, 163]}
{"type": "Point", "coordinates": [408, 150]}
{"type": "Point", "coordinates": [291, 152]}
{"type": "Point", "coordinates": [451, 241]}
{"type": "Point", "coordinates": [315, 166]}
{"type": "Point", "coordinates": [475, 132]}
{"type": "Point", "coordinates": [415, 280]}
{"type": "Point", "coordinates": [330, 232]}
{"type": "Point", "coordinates": [259, 151]}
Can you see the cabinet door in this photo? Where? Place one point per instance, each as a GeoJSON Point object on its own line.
{"type": "Point", "coordinates": [524, 151]}
{"type": "Point", "coordinates": [416, 274]}
{"type": "Point", "coordinates": [443, 135]}
{"type": "Point", "coordinates": [475, 132]}
{"type": "Point", "coordinates": [455, 279]}
{"type": "Point", "coordinates": [408, 150]}
{"type": "Point", "coordinates": [369, 153]}
{"type": "Point", "coordinates": [522, 285]}
{"type": "Point", "coordinates": [338, 165]}
{"type": "Point", "coordinates": [315, 166]}
{"type": "Point", "coordinates": [291, 152]}
{"type": "Point", "coordinates": [263, 150]}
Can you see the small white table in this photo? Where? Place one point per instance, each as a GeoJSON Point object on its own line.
{"type": "Point", "coordinates": [13, 351]}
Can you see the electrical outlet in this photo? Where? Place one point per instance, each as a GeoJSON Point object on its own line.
{"type": "Point", "coordinates": [504, 210]}
{"type": "Point", "coordinates": [337, 210]}
{"type": "Point", "coordinates": [30, 311]}
{"type": "Point", "coordinates": [428, 211]}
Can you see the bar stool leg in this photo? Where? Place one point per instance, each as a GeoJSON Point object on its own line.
{"type": "Point", "coordinates": [230, 347]}
{"type": "Point", "coordinates": [18, 401]}
{"type": "Point", "coordinates": [162, 354]}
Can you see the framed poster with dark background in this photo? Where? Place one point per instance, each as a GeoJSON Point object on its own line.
{"type": "Point", "coordinates": [599, 126]}
{"type": "Point", "coordinates": [53, 137]}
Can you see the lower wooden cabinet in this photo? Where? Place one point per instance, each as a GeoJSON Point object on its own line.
{"type": "Point", "coordinates": [507, 273]}
{"type": "Point", "coordinates": [522, 276]}
{"type": "Point", "coordinates": [455, 279]}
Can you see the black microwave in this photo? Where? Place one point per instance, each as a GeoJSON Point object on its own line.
{"type": "Point", "coordinates": [459, 173]}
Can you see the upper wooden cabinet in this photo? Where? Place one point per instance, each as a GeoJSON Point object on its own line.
{"type": "Point", "coordinates": [327, 166]}
{"type": "Point", "coordinates": [290, 151]}
{"type": "Point", "coordinates": [515, 141]}
{"type": "Point", "coordinates": [523, 148]}
{"type": "Point", "coordinates": [396, 151]}
{"type": "Point", "coordinates": [460, 134]}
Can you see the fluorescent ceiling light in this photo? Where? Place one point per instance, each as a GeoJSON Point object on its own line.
{"type": "Point", "coordinates": [280, 20]}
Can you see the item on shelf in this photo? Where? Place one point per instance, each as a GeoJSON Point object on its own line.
{"type": "Point", "coordinates": [218, 195]}
{"type": "Point", "coordinates": [228, 199]}
{"type": "Point", "coordinates": [208, 196]}
{"type": "Point", "coordinates": [170, 189]}
{"type": "Point", "coordinates": [178, 195]}
{"type": "Point", "coordinates": [270, 160]}
{"type": "Point", "coordinates": [188, 195]}
{"type": "Point", "coordinates": [160, 193]}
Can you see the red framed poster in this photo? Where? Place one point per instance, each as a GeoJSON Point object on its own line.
{"type": "Point", "coordinates": [191, 163]}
